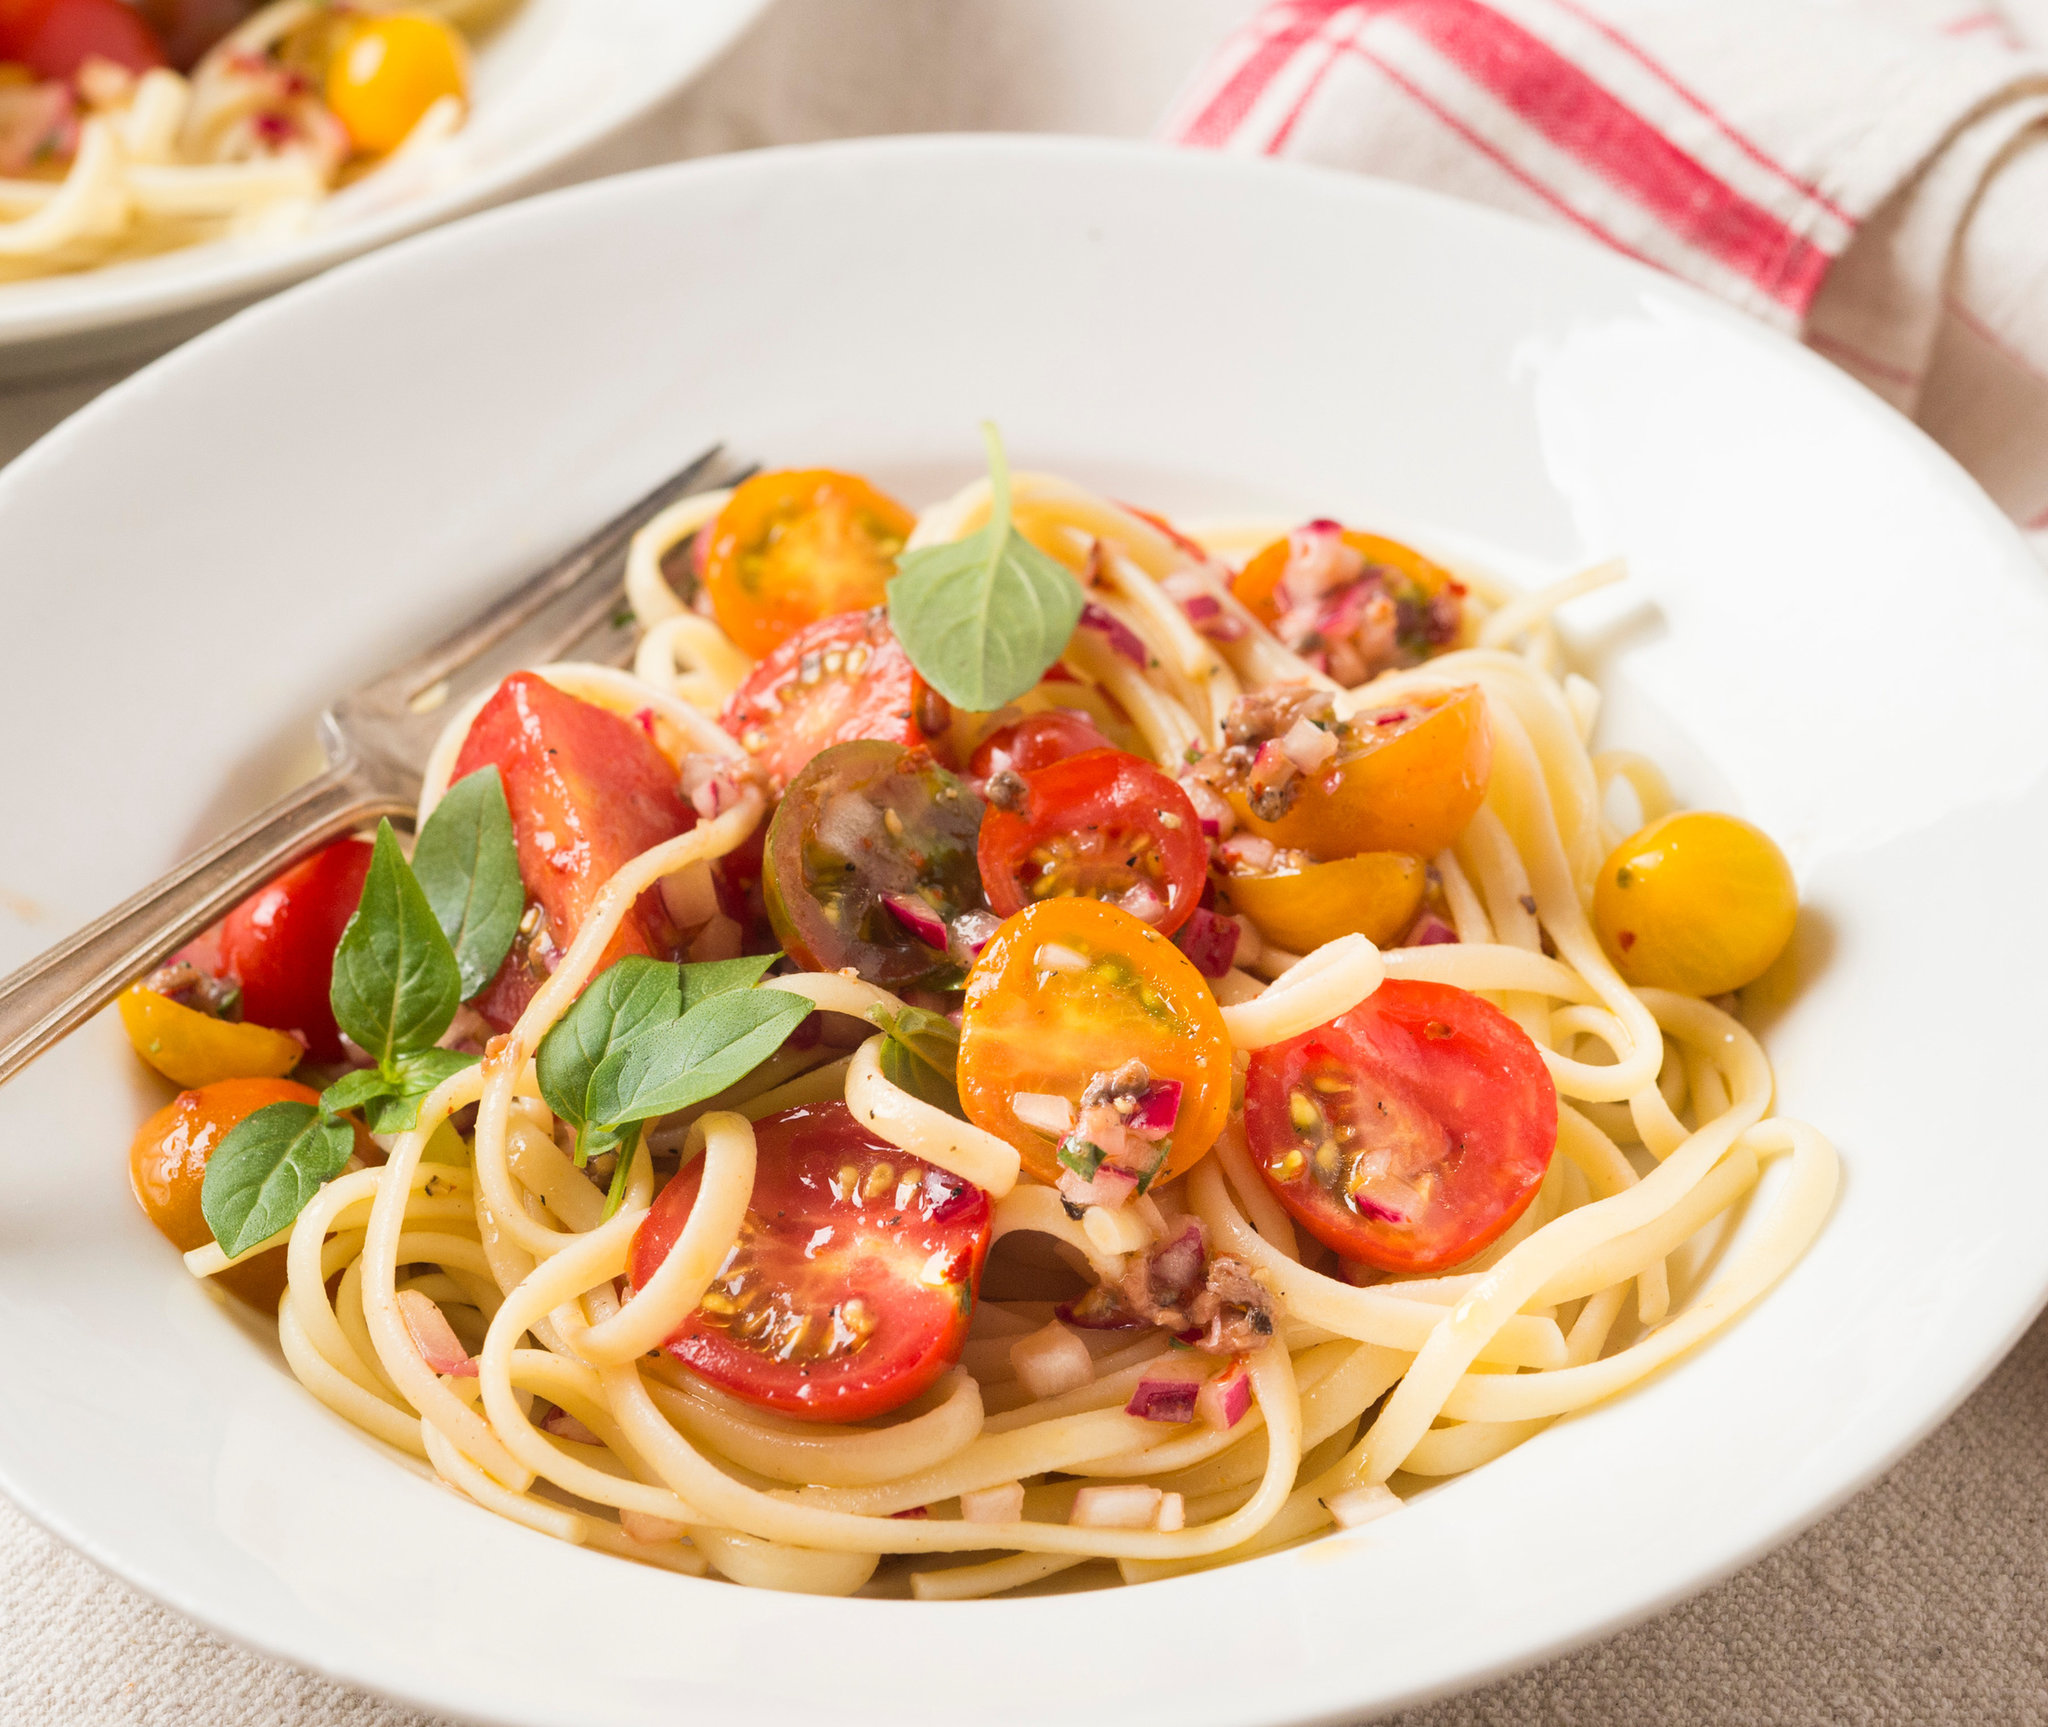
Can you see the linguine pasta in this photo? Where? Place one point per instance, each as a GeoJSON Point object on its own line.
{"type": "Point", "coordinates": [568, 1418]}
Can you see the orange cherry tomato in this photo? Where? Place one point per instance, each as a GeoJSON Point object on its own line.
{"type": "Point", "coordinates": [1406, 777]}
{"type": "Point", "coordinates": [850, 1288]}
{"type": "Point", "coordinates": [1104, 824]}
{"type": "Point", "coordinates": [388, 71]}
{"type": "Point", "coordinates": [1258, 583]}
{"type": "Point", "coordinates": [192, 1048]}
{"type": "Point", "coordinates": [790, 548]}
{"type": "Point", "coordinates": [1408, 1133]}
{"type": "Point", "coordinates": [167, 1164]}
{"type": "Point", "coordinates": [1070, 989]}
{"type": "Point", "coordinates": [1375, 894]}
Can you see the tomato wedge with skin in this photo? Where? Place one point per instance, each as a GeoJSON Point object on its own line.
{"type": "Point", "coordinates": [851, 1285]}
{"type": "Point", "coordinates": [279, 943]}
{"type": "Point", "coordinates": [1104, 825]}
{"type": "Point", "coordinates": [841, 679]}
{"type": "Point", "coordinates": [589, 792]}
{"type": "Point", "coordinates": [1408, 1133]}
{"type": "Point", "coordinates": [1036, 741]}
{"type": "Point", "coordinates": [790, 548]}
{"type": "Point", "coordinates": [1070, 990]}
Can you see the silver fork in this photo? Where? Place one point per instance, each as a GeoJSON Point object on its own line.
{"type": "Point", "coordinates": [376, 740]}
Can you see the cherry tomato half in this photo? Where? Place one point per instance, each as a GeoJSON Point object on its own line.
{"type": "Point", "coordinates": [53, 38]}
{"type": "Point", "coordinates": [791, 548]}
{"type": "Point", "coordinates": [839, 679]}
{"type": "Point", "coordinates": [1104, 825]}
{"type": "Point", "coordinates": [187, 28]}
{"type": "Point", "coordinates": [1407, 1133]}
{"type": "Point", "coordinates": [1036, 741]}
{"type": "Point", "coordinates": [589, 792]}
{"type": "Point", "coordinates": [1375, 894]}
{"type": "Point", "coordinates": [167, 1164]}
{"type": "Point", "coordinates": [870, 860]}
{"type": "Point", "coordinates": [189, 1047]}
{"type": "Point", "coordinates": [852, 1282]}
{"type": "Point", "coordinates": [1406, 777]}
{"type": "Point", "coordinates": [279, 943]}
{"type": "Point", "coordinates": [1074, 988]}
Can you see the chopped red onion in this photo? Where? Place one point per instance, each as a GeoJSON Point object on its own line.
{"type": "Point", "coordinates": [1318, 560]}
{"type": "Point", "coordinates": [1046, 1111]}
{"type": "Point", "coordinates": [1247, 852]}
{"type": "Point", "coordinates": [1180, 1267]}
{"type": "Point", "coordinates": [1307, 745]}
{"type": "Point", "coordinates": [1158, 1109]}
{"type": "Point", "coordinates": [1141, 899]}
{"type": "Point", "coordinates": [1000, 1504]}
{"type": "Point", "coordinates": [1218, 819]}
{"type": "Point", "coordinates": [913, 1513]}
{"type": "Point", "coordinates": [1195, 593]}
{"type": "Point", "coordinates": [1429, 931]}
{"type": "Point", "coordinates": [1051, 1360]}
{"type": "Point", "coordinates": [1164, 1399]}
{"type": "Point", "coordinates": [1209, 941]}
{"type": "Point", "coordinates": [433, 1336]}
{"type": "Point", "coordinates": [563, 1425]}
{"type": "Point", "coordinates": [1123, 1506]}
{"type": "Point", "coordinates": [1109, 1187]}
{"type": "Point", "coordinates": [915, 914]}
{"type": "Point", "coordinates": [970, 932]}
{"type": "Point", "coordinates": [1225, 1400]}
{"type": "Point", "coordinates": [1122, 638]}
{"type": "Point", "coordinates": [1367, 1206]}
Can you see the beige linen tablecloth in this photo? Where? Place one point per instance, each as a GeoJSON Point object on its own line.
{"type": "Point", "coordinates": [1923, 1600]}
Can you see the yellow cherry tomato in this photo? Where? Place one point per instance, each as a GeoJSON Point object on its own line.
{"type": "Point", "coordinates": [1699, 902]}
{"type": "Point", "coordinates": [388, 72]}
{"type": "Point", "coordinates": [1375, 894]}
{"type": "Point", "coordinates": [190, 1048]}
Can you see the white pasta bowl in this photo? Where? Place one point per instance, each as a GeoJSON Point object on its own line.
{"type": "Point", "coordinates": [196, 563]}
{"type": "Point", "coordinates": [552, 78]}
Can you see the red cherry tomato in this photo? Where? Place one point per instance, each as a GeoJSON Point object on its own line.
{"type": "Point", "coordinates": [1104, 825]}
{"type": "Point", "coordinates": [1036, 741]}
{"type": "Point", "coordinates": [279, 943]}
{"type": "Point", "coordinates": [1407, 1133]}
{"type": "Point", "coordinates": [187, 28]}
{"type": "Point", "coordinates": [851, 1285]}
{"type": "Point", "coordinates": [53, 38]}
{"type": "Point", "coordinates": [589, 792]}
{"type": "Point", "coordinates": [834, 681]}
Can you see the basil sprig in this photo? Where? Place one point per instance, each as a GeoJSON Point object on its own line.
{"type": "Point", "coordinates": [648, 1037]}
{"type": "Point", "coordinates": [424, 938]}
{"type": "Point", "coordinates": [920, 1054]}
{"type": "Point", "coordinates": [983, 618]}
{"type": "Point", "coordinates": [272, 1162]}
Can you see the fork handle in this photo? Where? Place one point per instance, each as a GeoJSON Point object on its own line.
{"type": "Point", "coordinates": [50, 995]}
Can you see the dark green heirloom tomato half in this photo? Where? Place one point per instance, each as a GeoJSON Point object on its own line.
{"type": "Point", "coordinates": [871, 864]}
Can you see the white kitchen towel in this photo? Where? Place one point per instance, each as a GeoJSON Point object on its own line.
{"type": "Point", "coordinates": [1870, 175]}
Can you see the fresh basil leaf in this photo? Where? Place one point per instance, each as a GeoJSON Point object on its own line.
{"type": "Point", "coordinates": [920, 1054]}
{"type": "Point", "coordinates": [354, 1090]}
{"type": "Point", "coordinates": [711, 977]}
{"type": "Point", "coordinates": [623, 1002]}
{"type": "Point", "coordinates": [414, 1076]}
{"type": "Point", "coordinates": [262, 1174]}
{"type": "Point", "coordinates": [715, 1044]}
{"type": "Point", "coordinates": [467, 864]}
{"type": "Point", "coordinates": [396, 983]}
{"type": "Point", "coordinates": [984, 617]}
